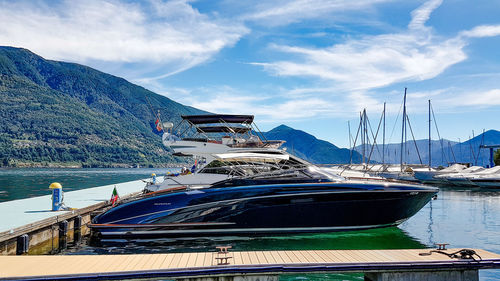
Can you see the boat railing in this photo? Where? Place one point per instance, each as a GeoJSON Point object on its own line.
{"type": "Point", "coordinates": [232, 130]}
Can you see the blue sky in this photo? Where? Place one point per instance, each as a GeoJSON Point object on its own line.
{"type": "Point", "coordinates": [312, 65]}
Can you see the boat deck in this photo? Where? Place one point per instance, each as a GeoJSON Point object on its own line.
{"type": "Point", "coordinates": [183, 265]}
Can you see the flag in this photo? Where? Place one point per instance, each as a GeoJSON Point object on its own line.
{"type": "Point", "coordinates": [158, 125]}
{"type": "Point", "coordinates": [114, 197]}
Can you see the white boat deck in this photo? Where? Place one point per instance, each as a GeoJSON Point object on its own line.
{"type": "Point", "coordinates": [18, 213]}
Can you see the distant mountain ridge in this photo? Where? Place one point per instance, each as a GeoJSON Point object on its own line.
{"type": "Point", "coordinates": [64, 112]}
{"type": "Point", "coordinates": [310, 148]}
{"type": "Point", "coordinates": [443, 152]}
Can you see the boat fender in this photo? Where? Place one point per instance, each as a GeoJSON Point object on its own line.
{"type": "Point", "coordinates": [23, 243]}
{"type": "Point", "coordinates": [63, 228]}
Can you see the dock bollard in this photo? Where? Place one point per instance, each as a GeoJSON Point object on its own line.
{"type": "Point", "coordinates": [57, 197]}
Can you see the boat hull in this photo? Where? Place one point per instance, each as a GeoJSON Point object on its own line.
{"type": "Point", "coordinates": [252, 210]}
{"type": "Point", "coordinates": [487, 182]}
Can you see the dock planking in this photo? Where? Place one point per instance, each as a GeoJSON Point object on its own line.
{"type": "Point", "coordinates": [204, 263]}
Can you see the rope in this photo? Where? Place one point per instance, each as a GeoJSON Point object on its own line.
{"type": "Point", "coordinates": [464, 254]}
{"type": "Point", "coordinates": [443, 155]}
{"type": "Point", "coordinates": [414, 141]}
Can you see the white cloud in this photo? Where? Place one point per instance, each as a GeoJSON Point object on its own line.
{"type": "Point", "coordinates": [420, 16]}
{"type": "Point", "coordinates": [482, 31]}
{"type": "Point", "coordinates": [377, 61]}
{"type": "Point", "coordinates": [373, 62]}
{"type": "Point", "coordinates": [449, 100]}
{"type": "Point", "coordinates": [283, 12]}
{"type": "Point", "coordinates": [169, 36]}
{"type": "Point", "coordinates": [278, 106]}
{"type": "Point", "coordinates": [474, 99]}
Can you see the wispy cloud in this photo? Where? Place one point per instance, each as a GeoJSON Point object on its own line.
{"type": "Point", "coordinates": [283, 12]}
{"type": "Point", "coordinates": [371, 62]}
{"type": "Point", "coordinates": [420, 16]}
{"type": "Point", "coordinates": [168, 36]}
{"type": "Point", "coordinates": [482, 31]}
{"type": "Point", "coordinates": [473, 99]}
{"type": "Point", "coordinates": [277, 106]}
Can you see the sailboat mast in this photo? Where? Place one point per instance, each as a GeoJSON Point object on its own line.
{"type": "Point", "coordinates": [403, 130]}
{"type": "Point", "coordinates": [430, 159]}
{"type": "Point", "coordinates": [350, 145]}
{"type": "Point", "coordinates": [362, 124]}
{"type": "Point", "coordinates": [366, 130]}
{"type": "Point", "coordinates": [383, 141]}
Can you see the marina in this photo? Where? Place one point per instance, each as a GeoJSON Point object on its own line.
{"type": "Point", "coordinates": [239, 186]}
{"type": "Point", "coordinates": [131, 145]}
{"type": "Point", "coordinates": [463, 218]}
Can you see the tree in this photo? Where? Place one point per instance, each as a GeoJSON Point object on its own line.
{"type": "Point", "coordinates": [496, 157]}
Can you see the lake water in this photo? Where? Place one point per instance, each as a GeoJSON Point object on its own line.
{"type": "Point", "coordinates": [30, 182]}
{"type": "Point", "coordinates": [462, 218]}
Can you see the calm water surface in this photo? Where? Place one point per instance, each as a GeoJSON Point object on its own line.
{"type": "Point", "coordinates": [25, 183]}
{"type": "Point", "coordinates": [463, 218]}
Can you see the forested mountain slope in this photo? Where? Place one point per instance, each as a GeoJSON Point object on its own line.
{"type": "Point", "coordinates": [57, 112]}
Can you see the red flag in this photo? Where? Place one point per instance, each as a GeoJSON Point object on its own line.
{"type": "Point", "coordinates": [158, 125]}
{"type": "Point", "coordinates": [114, 197]}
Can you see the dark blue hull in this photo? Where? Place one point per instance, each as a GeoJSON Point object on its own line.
{"type": "Point", "coordinates": [265, 209]}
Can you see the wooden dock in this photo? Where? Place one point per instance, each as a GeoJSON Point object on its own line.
{"type": "Point", "coordinates": [206, 266]}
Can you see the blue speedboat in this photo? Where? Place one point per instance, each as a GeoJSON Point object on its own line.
{"type": "Point", "coordinates": [247, 186]}
{"type": "Point", "coordinates": [291, 200]}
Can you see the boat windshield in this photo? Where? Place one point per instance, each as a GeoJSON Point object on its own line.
{"type": "Point", "coordinates": [250, 164]}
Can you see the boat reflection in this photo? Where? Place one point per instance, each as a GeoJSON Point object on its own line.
{"type": "Point", "coordinates": [384, 238]}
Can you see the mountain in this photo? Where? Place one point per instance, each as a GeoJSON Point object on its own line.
{"type": "Point", "coordinates": [310, 148]}
{"type": "Point", "coordinates": [443, 151]}
{"type": "Point", "coordinates": [414, 152]}
{"type": "Point", "coordinates": [469, 151]}
{"type": "Point", "coordinates": [58, 112]}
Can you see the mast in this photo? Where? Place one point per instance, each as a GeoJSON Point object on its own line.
{"type": "Point", "coordinates": [367, 140]}
{"type": "Point", "coordinates": [383, 142]}
{"type": "Point", "coordinates": [430, 159]}
{"type": "Point", "coordinates": [403, 130]}
{"type": "Point", "coordinates": [350, 145]}
{"type": "Point", "coordinates": [361, 116]}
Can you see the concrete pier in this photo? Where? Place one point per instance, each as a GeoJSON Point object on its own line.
{"type": "Point", "coordinates": [33, 216]}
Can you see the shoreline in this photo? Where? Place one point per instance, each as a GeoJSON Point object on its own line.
{"type": "Point", "coordinates": [82, 166]}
